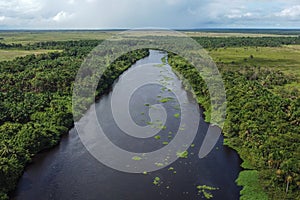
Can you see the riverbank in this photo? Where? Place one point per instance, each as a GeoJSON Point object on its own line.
{"type": "Point", "coordinates": [249, 107]}
{"type": "Point", "coordinates": [30, 130]}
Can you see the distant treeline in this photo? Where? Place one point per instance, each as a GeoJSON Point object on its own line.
{"type": "Point", "coordinates": [52, 45]}
{"type": "Point", "coordinates": [250, 31]}
{"type": "Point", "coordinates": [205, 42]}
{"type": "Point", "coordinates": [219, 42]}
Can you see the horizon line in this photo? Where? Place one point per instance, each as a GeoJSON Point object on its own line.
{"type": "Point", "coordinates": [158, 28]}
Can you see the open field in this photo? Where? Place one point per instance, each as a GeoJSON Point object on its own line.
{"type": "Point", "coordinates": [285, 58]}
{"type": "Point", "coordinates": [11, 54]}
{"type": "Point", "coordinates": [38, 36]}
{"type": "Point", "coordinates": [219, 34]}
{"type": "Point", "coordinates": [25, 37]}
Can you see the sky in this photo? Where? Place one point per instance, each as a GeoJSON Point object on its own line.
{"type": "Point", "coordinates": [174, 14]}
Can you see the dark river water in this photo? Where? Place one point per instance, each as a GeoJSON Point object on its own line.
{"type": "Point", "coordinates": [69, 171]}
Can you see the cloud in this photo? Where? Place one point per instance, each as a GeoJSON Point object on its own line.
{"type": "Point", "coordinates": [20, 6]}
{"type": "Point", "coordinates": [238, 14]}
{"type": "Point", "coordinates": [145, 13]}
{"type": "Point", "coordinates": [91, 1]}
{"type": "Point", "coordinates": [71, 1]}
{"type": "Point", "coordinates": [61, 16]}
{"type": "Point", "coordinates": [293, 11]}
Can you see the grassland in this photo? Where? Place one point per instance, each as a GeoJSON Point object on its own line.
{"type": "Point", "coordinates": [219, 34]}
{"type": "Point", "coordinates": [25, 37]}
{"type": "Point", "coordinates": [285, 59]}
{"type": "Point", "coordinates": [41, 36]}
{"type": "Point", "coordinates": [11, 54]}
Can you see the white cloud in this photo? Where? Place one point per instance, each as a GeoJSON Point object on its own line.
{"type": "Point", "coordinates": [2, 18]}
{"type": "Point", "coordinates": [293, 11]}
{"type": "Point", "coordinates": [71, 1]}
{"type": "Point", "coordinates": [21, 6]}
{"type": "Point", "coordinates": [145, 13]}
{"type": "Point", "coordinates": [91, 1]}
{"type": "Point", "coordinates": [239, 15]}
{"type": "Point", "coordinates": [61, 16]}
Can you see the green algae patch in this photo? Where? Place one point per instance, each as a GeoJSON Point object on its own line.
{"type": "Point", "coordinates": [165, 100]}
{"type": "Point", "coordinates": [183, 154]}
{"type": "Point", "coordinates": [177, 115]}
{"type": "Point", "coordinates": [157, 181]}
{"type": "Point", "coordinates": [137, 158]}
{"type": "Point", "coordinates": [171, 169]}
{"type": "Point", "coordinates": [205, 191]}
{"type": "Point", "coordinates": [157, 137]}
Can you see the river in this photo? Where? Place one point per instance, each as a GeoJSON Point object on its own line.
{"type": "Point", "coordinates": [69, 171]}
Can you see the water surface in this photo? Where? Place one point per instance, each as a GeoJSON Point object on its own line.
{"type": "Point", "coordinates": [69, 171]}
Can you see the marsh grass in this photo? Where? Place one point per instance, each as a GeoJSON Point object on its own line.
{"type": "Point", "coordinates": [285, 58]}
{"type": "Point", "coordinates": [27, 37]}
{"type": "Point", "coordinates": [6, 55]}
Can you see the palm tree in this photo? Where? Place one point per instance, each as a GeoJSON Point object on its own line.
{"type": "Point", "coordinates": [5, 149]}
{"type": "Point", "coordinates": [288, 180]}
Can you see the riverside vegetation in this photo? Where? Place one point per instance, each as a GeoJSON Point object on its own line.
{"type": "Point", "coordinates": [262, 113]}
{"type": "Point", "coordinates": [262, 122]}
{"type": "Point", "coordinates": [35, 103]}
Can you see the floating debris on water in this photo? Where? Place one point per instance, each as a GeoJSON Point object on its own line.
{"type": "Point", "coordinates": [165, 100]}
{"type": "Point", "coordinates": [183, 154]}
{"type": "Point", "coordinates": [159, 164]}
{"type": "Point", "coordinates": [157, 181]}
{"type": "Point", "coordinates": [176, 115]}
{"type": "Point", "coordinates": [157, 137]}
{"type": "Point", "coordinates": [137, 158]}
{"type": "Point", "coordinates": [203, 189]}
{"type": "Point", "coordinates": [171, 169]}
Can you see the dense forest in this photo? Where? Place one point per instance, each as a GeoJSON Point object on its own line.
{"type": "Point", "coordinates": [36, 96]}
{"type": "Point", "coordinates": [35, 103]}
{"type": "Point", "coordinates": [261, 126]}
{"type": "Point", "coordinates": [218, 42]}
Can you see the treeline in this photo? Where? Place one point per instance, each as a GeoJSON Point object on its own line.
{"type": "Point", "coordinates": [51, 44]}
{"type": "Point", "coordinates": [262, 127]}
{"type": "Point", "coordinates": [62, 44]}
{"type": "Point", "coordinates": [35, 102]}
{"type": "Point", "coordinates": [205, 42]}
{"type": "Point", "coordinates": [219, 42]}
{"type": "Point", "coordinates": [9, 46]}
